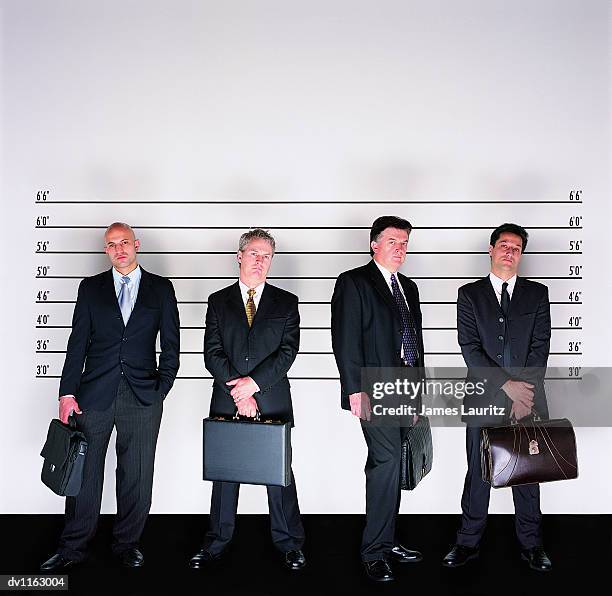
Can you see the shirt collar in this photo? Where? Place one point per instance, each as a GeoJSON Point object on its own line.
{"type": "Point", "coordinates": [244, 289]}
{"type": "Point", "coordinates": [497, 284]}
{"type": "Point", "coordinates": [387, 275]}
{"type": "Point", "coordinates": [133, 275]}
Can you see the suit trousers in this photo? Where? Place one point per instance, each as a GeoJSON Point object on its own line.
{"type": "Point", "coordinates": [137, 430]}
{"type": "Point", "coordinates": [382, 471]}
{"type": "Point", "coordinates": [475, 502]}
{"type": "Point", "coordinates": [285, 522]}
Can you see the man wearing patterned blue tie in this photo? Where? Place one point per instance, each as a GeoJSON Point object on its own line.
{"type": "Point", "coordinates": [111, 378]}
{"type": "Point", "coordinates": [376, 323]}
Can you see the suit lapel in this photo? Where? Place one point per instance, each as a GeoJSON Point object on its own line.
{"type": "Point", "coordinates": [143, 293]}
{"type": "Point", "coordinates": [490, 294]}
{"type": "Point", "coordinates": [381, 286]}
{"type": "Point", "coordinates": [518, 295]}
{"type": "Point", "coordinates": [266, 303]}
{"type": "Point", "coordinates": [235, 305]}
{"type": "Point", "coordinates": [108, 294]}
{"type": "Point", "coordinates": [409, 294]}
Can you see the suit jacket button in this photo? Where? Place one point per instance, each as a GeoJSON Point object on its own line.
{"type": "Point", "coordinates": [500, 337]}
{"type": "Point", "coordinates": [499, 356]}
{"type": "Point", "coordinates": [501, 319]}
{"type": "Point", "coordinates": [247, 358]}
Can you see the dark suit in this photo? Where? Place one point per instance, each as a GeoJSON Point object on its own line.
{"type": "Point", "coordinates": [499, 347]}
{"type": "Point", "coordinates": [112, 371]}
{"type": "Point", "coordinates": [367, 332]}
{"type": "Point", "coordinates": [265, 352]}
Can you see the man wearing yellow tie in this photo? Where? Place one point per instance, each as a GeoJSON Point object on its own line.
{"type": "Point", "coordinates": [252, 338]}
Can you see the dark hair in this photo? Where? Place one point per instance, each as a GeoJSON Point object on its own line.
{"type": "Point", "coordinates": [512, 229]}
{"type": "Point", "coordinates": [387, 221]}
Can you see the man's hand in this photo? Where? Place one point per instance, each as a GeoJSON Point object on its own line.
{"type": "Point", "coordinates": [243, 388]}
{"type": "Point", "coordinates": [67, 405]}
{"type": "Point", "coordinates": [247, 407]}
{"type": "Point", "coordinates": [519, 411]}
{"type": "Point", "coordinates": [360, 405]}
{"type": "Point", "coordinates": [519, 392]}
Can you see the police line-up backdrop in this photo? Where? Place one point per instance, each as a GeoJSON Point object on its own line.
{"type": "Point", "coordinates": [194, 120]}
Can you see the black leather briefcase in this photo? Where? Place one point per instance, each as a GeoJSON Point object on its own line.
{"type": "Point", "coordinates": [250, 451]}
{"type": "Point", "coordinates": [64, 454]}
{"type": "Point", "coordinates": [528, 453]}
{"type": "Point", "coordinates": [417, 454]}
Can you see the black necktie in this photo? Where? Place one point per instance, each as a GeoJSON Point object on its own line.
{"type": "Point", "coordinates": [505, 298]}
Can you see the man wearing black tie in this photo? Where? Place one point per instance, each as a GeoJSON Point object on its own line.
{"type": "Point", "coordinates": [111, 379]}
{"type": "Point", "coordinates": [503, 324]}
{"type": "Point", "coordinates": [251, 340]}
{"type": "Point", "coordinates": [376, 323]}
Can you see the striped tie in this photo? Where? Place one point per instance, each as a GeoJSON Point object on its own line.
{"type": "Point", "coordinates": [250, 307]}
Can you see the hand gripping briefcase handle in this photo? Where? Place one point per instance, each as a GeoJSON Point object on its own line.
{"type": "Point", "coordinates": [540, 451]}
{"type": "Point", "coordinates": [256, 417]}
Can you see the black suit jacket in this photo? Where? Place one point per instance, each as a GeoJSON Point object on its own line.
{"type": "Point", "coordinates": [366, 325]}
{"type": "Point", "coordinates": [265, 351]}
{"type": "Point", "coordinates": [481, 324]}
{"type": "Point", "coordinates": [101, 347]}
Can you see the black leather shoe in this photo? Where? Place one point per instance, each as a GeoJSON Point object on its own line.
{"type": "Point", "coordinates": [537, 558]}
{"type": "Point", "coordinates": [131, 557]}
{"type": "Point", "coordinates": [459, 555]}
{"type": "Point", "coordinates": [57, 563]}
{"type": "Point", "coordinates": [202, 559]}
{"type": "Point", "coordinates": [294, 560]}
{"type": "Point", "coordinates": [379, 570]}
{"type": "Point", "coordinates": [400, 554]}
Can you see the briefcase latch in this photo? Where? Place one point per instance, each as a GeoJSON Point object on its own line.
{"type": "Point", "coordinates": [534, 448]}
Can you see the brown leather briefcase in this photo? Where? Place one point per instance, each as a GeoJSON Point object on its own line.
{"type": "Point", "coordinates": [527, 453]}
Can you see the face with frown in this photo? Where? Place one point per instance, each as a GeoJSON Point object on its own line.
{"type": "Point", "coordinates": [390, 248]}
{"type": "Point", "coordinates": [121, 247]}
{"type": "Point", "coordinates": [254, 262]}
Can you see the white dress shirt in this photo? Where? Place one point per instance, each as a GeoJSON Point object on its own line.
{"type": "Point", "coordinates": [132, 286]}
{"type": "Point", "coordinates": [244, 291]}
{"type": "Point", "coordinates": [387, 275]}
{"type": "Point", "coordinates": [497, 285]}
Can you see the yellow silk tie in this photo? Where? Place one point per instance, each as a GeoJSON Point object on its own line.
{"type": "Point", "coordinates": [250, 307]}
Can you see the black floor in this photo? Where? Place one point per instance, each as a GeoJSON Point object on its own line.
{"type": "Point", "coordinates": [579, 546]}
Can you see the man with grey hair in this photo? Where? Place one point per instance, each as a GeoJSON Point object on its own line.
{"type": "Point", "coordinates": [111, 379]}
{"type": "Point", "coordinates": [252, 338]}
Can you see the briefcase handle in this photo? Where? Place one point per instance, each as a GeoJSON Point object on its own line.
{"type": "Point", "coordinates": [72, 422]}
{"type": "Point", "coordinates": [256, 418]}
{"type": "Point", "coordinates": [535, 418]}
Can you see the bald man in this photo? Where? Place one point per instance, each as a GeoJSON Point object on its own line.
{"type": "Point", "coordinates": [112, 379]}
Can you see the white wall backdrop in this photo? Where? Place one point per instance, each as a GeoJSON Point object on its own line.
{"type": "Point", "coordinates": [194, 120]}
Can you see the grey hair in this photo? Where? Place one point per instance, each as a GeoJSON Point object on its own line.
{"type": "Point", "coordinates": [254, 234]}
{"type": "Point", "coordinates": [119, 224]}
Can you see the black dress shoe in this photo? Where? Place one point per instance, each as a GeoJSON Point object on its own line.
{"type": "Point", "coordinates": [537, 558]}
{"type": "Point", "coordinates": [202, 559]}
{"type": "Point", "coordinates": [294, 560]}
{"type": "Point", "coordinates": [400, 554]}
{"type": "Point", "coordinates": [57, 563]}
{"type": "Point", "coordinates": [379, 570]}
{"type": "Point", "coordinates": [131, 557]}
{"type": "Point", "coordinates": [459, 555]}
